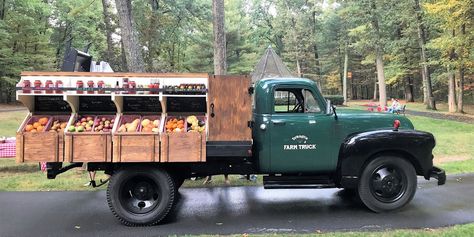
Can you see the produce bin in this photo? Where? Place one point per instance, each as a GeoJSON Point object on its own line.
{"type": "Point", "coordinates": [183, 146]}
{"type": "Point", "coordinates": [138, 145]}
{"type": "Point", "coordinates": [88, 146]}
{"type": "Point", "coordinates": [34, 146]}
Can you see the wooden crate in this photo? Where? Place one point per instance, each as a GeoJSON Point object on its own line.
{"type": "Point", "coordinates": [88, 147]}
{"type": "Point", "coordinates": [183, 147]}
{"type": "Point", "coordinates": [38, 146]}
{"type": "Point", "coordinates": [136, 146]}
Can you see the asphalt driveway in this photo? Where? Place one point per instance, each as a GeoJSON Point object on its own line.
{"type": "Point", "coordinates": [236, 210]}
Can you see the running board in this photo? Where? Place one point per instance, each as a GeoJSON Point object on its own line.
{"type": "Point", "coordinates": [294, 182]}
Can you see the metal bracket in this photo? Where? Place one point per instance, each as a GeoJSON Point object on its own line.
{"type": "Point", "coordinates": [250, 124]}
{"type": "Point", "coordinates": [251, 90]}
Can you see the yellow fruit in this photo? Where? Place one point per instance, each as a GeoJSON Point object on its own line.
{"type": "Point", "coordinates": [145, 122]}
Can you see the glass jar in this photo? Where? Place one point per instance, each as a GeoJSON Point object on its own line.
{"type": "Point", "coordinates": [59, 85]}
{"type": "Point", "coordinates": [90, 86]}
{"type": "Point", "coordinates": [100, 85]}
{"type": "Point", "coordinates": [26, 86]}
{"type": "Point", "coordinates": [80, 87]}
{"type": "Point", "coordinates": [132, 86]}
{"type": "Point", "coordinates": [38, 87]}
{"type": "Point", "coordinates": [49, 86]}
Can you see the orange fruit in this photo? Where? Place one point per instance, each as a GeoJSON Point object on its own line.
{"type": "Point", "coordinates": [34, 130]}
{"type": "Point", "coordinates": [29, 127]}
{"type": "Point", "coordinates": [36, 124]}
{"type": "Point", "coordinates": [43, 121]}
{"type": "Point", "coordinates": [40, 128]}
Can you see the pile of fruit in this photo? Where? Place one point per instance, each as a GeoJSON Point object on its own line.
{"type": "Point", "coordinates": [58, 126]}
{"type": "Point", "coordinates": [129, 127]}
{"type": "Point", "coordinates": [195, 125]}
{"type": "Point", "coordinates": [175, 125]}
{"type": "Point", "coordinates": [103, 124]}
{"type": "Point", "coordinates": [38, 126]}
{"type": "Point", "coordinates": [149, 126]}
{"type": "Point", "coordinates": [83, 124]}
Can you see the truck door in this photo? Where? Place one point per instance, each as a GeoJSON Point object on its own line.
{"type": "Point", "coordinates": [301, 134]}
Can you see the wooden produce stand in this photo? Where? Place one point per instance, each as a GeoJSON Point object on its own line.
{"type": "Point", "coordinates": [42, 144]}
{"type": "Point", "coordinates": [200, 101]}
{"type": "Point", "coordinates": [138, 144]}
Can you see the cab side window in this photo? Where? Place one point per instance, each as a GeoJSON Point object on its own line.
{"type": "Point", "coordinates": [310, 103]}
{"type": "Point", "coordinates": [295, 100]}
{"type": "Point", "coordinates": [285, 101]}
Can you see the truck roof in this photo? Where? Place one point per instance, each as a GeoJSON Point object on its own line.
{"type": "Point", "coordinates": [285, 80]}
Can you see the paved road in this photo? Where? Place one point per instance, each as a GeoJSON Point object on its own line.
{"type": "Point", "coordinates": [453, 117]}
{"type": "Point", "coordinates": [235, 210]}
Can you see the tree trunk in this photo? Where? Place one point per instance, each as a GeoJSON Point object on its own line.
{"type": "Point", "coordinates": [375, 90]}
{"type": "Point", "coordinates": [428, 98]}
{"type": "Point", "coordinates": [220, 65]}
{"type": "Point", "coordinates": [152, 35]}
{"type": "Point", "coordinates": [379, 57]}
{"type": "Point", "coordinates": [409, 90]}
{"type": "Point", "coordinates": [108, 32]}
{"type": "Point", "coordinates": [123, 58]}
{"type": "Point", "coordinates": [2, 11]}
{"type": "Point", "coordinates": [317, 65]}
{"type": "Point", "coordinates": [344, 84]}
{"type": "Point", "coordinates": [451, 91]}
{"type": "Point", "coordinates": [460, 85]}
{"type": "Point", "coordinates": [131, 45]}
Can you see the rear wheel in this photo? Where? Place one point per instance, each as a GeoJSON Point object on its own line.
{"type": "Point", "coordinates": [141, 196]}
{"type": "Point", "coordinates": [387, 183]}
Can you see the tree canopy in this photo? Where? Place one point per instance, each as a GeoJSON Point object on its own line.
{"type": "Point", "coordinates": [409, 45]}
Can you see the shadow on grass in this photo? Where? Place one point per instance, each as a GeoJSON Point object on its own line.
{"type": "Point", "coordinates": [20, 169]}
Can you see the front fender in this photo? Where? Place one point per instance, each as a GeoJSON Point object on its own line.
{"type": "Point", "coordinates": [359, 148]}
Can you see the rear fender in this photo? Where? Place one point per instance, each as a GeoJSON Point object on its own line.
{"type": "Point", "coordinates": [360, 148]}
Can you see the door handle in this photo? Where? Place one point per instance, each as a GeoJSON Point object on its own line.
{"type": "Point", "coordinates": [278, 122]}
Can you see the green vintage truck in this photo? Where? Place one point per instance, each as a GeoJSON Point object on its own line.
{"type": "Point", "coordinates": [282, 129]}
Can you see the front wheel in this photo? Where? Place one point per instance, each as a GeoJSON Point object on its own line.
{"type": "Point", "coordinates": [141, 196]}
{"type": "Point", "coordinates": [387, 183]}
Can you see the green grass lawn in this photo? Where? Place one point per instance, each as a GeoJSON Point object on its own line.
{"type": "Point", "coordinates": [458, 230]}
{"type": "Point", "coordinates": [10, 121]}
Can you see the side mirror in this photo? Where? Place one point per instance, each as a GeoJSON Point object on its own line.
{"type": "Point", "coordinates": [329, 108]}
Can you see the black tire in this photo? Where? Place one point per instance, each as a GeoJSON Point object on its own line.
{"type": "Point", "coordinates": [141, 196]}
{"type": "Point", "coordinates": [178, 182]}
{"type": "Point", "coordinates": [387, 183]}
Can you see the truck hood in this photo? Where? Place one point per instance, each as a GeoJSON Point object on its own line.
{"type": "Point", "coordinates": [353, 120]}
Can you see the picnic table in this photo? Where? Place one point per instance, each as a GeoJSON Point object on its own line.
{"type": "Point", "coordinates": [7, 148]}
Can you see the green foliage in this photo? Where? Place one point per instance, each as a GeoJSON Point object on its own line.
{"type": "Point", "coordinates": [176, 36]}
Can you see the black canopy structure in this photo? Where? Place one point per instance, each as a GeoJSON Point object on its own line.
{"type": "Point", "coordinates": [270, 65]}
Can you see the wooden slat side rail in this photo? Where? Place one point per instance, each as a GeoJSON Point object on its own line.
{"type": "Point", "coordinates": [39, 147]}
{"type": "Point", "coordinates": [116, 74]}
{"type": "Point", "coordinates": [232, 108]}
{"type": "Point", "coordinates": [183, 147]}
{"type": "Point", "coordinates": [88, 147]}
{"type": "Point", "coordinates": [135, 147]}
{"type": "Point", "coordinates": [19, 148]}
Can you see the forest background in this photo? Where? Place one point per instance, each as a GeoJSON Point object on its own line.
{"type": "Point", "coordinates": [417, 50]}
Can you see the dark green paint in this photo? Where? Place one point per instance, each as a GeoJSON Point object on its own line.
{"type": "Point", "coordinates": [306, 129]}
